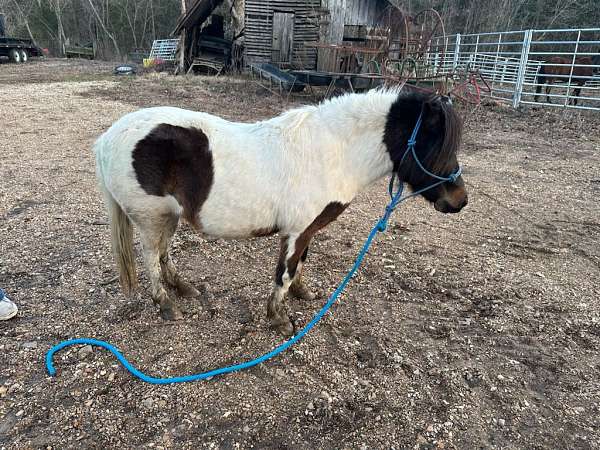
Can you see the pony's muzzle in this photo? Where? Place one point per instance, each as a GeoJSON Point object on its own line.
{"type": "Point", "coordinates": [445, 206]}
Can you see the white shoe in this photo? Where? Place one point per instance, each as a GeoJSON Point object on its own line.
{"type": "Point", "coordinates": [8, 309]}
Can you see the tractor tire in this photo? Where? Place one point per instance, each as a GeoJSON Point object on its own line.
{"type": "Point", "coordinates": [14, 55]}
{"type": "Point", "coordinates": [24, 56]}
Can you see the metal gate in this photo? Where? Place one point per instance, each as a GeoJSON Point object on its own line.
{"type": "Point", "coordinates": [545, 67]}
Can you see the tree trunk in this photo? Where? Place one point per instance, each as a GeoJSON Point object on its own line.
{"type": "Point", "coordinates": [25, 20]}
{"type": "Point", "coordinates": [132, 22]}
{"type": "Point", "coordinates": [108, 33]}
{"type": "Point", "coordinates": [60, 30]}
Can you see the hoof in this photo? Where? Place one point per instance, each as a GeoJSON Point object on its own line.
{"type": "Point", "coordinates": [185, 289]}
{"type": "Point", "coordinates": [281, 322]}
{"type": "Point", "coordinates": [171, 312]}
{"type": "Point", "coordinates": [302, 292]}
{"type": "Point", "coordinates": [284, 326]}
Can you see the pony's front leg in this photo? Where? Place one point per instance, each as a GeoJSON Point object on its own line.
{"type": "Point", "coordinates": [575, 97]}
{"type": "Point", "coordinates": [284, 275]}
{"type": "Point", "coordinates": [298, 288]}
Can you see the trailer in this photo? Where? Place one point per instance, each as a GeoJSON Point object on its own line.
{"type": "Point", "coordinates": [84, 52]}
{"type": "Point", "coordinates": [18, 50]}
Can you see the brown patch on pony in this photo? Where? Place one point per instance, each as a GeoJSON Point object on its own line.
{"type": "Point", "coordinates": [328, 215]}
{"type": "Point", "coordinates": [173, 160]}
{"type": "Point", "coordinates": [264, 232]}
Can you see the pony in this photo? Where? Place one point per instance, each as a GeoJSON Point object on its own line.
{"type": "Point", "coordinates": [549, 74]}
{"type": "Point", "coordinates": [293, 175]}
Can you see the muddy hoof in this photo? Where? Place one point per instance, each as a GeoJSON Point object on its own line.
{"type": "Point", "coordinates": [302, 292]}
{"type": "Point", "coordinates": [185, 289]}
{"type": "Point", "coordinates": [171, 312]}
{"type": "Point", "coordinates": [285, 327]}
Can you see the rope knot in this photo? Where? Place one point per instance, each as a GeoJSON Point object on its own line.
{"type": "Point", "coordinates": [454, 176]}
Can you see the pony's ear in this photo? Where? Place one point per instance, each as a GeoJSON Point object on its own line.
{"type": "Point", "coordinates": [433, 110]}
{"type": "Point", "coordinates": [445, 99]}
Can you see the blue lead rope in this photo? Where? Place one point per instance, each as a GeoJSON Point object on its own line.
{"type": "Point", "coordinates": [380, 226]}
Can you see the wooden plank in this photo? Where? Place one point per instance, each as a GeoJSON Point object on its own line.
{"type": "Point", "coordinates": [337, 11]}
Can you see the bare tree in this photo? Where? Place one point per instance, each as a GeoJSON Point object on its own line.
{"type": "Point", "coordinates": [58, 7]}
{"type": "Point", "coordinates": [105, 29]}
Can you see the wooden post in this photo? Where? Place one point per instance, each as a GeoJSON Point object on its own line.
{"type": "Point", "coordinates": [191, 53]}
{"type": "Point", "coordinates": [182, 41]}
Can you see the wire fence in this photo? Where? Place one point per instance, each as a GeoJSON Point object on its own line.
{"type": "Point", "coordinates": [559, 68]}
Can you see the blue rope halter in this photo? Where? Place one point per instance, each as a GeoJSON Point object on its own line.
{"type": "Point", "coordinates": [396, 197]}
{"type": "Point", "coordinates": [380, 226]}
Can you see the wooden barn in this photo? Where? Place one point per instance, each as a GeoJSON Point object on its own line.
{"type": "Point", "coordinates": [288, 33]}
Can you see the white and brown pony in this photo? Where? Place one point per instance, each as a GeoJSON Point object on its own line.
{"type": "Point", "coordinates": [291, 175]}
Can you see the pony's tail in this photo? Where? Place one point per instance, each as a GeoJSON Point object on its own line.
{"type": "Point", "coordinates": [121, 231]}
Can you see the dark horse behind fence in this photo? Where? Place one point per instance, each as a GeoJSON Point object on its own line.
{"type": "Point", "coordinates": [549, 74]}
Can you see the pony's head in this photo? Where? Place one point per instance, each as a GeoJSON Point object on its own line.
{"type": "Point", "coordinates": [436, 147]}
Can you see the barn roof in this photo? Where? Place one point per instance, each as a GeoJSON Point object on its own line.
{"type": "Point", "coordinates": [198, 11]}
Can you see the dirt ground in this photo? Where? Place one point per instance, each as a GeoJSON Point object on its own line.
{"type": "Point", "coordinates": [477, 330]}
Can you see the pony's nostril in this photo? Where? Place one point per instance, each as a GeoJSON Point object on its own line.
{"type": "Point", "coordinates": [444, 206]}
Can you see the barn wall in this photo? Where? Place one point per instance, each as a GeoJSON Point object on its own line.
{"type": "Point", "coordinates": [259, 29]}
{"type": "Point", "coordinates": [351, 12]}
{"type": "Point", "coordinates": [363, 12]}
{"type": "Point", "coordinates": [346, 12]}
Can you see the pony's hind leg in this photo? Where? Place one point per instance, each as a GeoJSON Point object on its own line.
{"type": "Point", "coordinates": [152, 234]}
{"type": "Point", "coordinates": [169, 271]}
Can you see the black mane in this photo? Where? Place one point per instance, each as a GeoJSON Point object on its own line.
{"type": "Point", "coordinates": [437, 141]}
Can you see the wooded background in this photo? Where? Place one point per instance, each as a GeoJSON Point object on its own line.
{"type": "Point", "coordinates": [116, 27]}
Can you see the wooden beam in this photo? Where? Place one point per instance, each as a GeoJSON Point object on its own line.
{"type": "Point", "coordinates": [182, 40]}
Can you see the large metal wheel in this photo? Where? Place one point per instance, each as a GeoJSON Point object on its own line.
{"type": "Point", "coordinates": [24, 56]}
{"type": "Point", "coordinates": [14, 55]}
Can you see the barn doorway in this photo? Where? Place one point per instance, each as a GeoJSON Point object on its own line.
{"type": "Point", "coordinates": [283, 37]}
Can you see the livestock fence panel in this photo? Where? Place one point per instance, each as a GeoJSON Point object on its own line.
{"type": "Point", "coordinates": [164, 49]}
{"type": "Point", "coordinates": [549, 67]}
